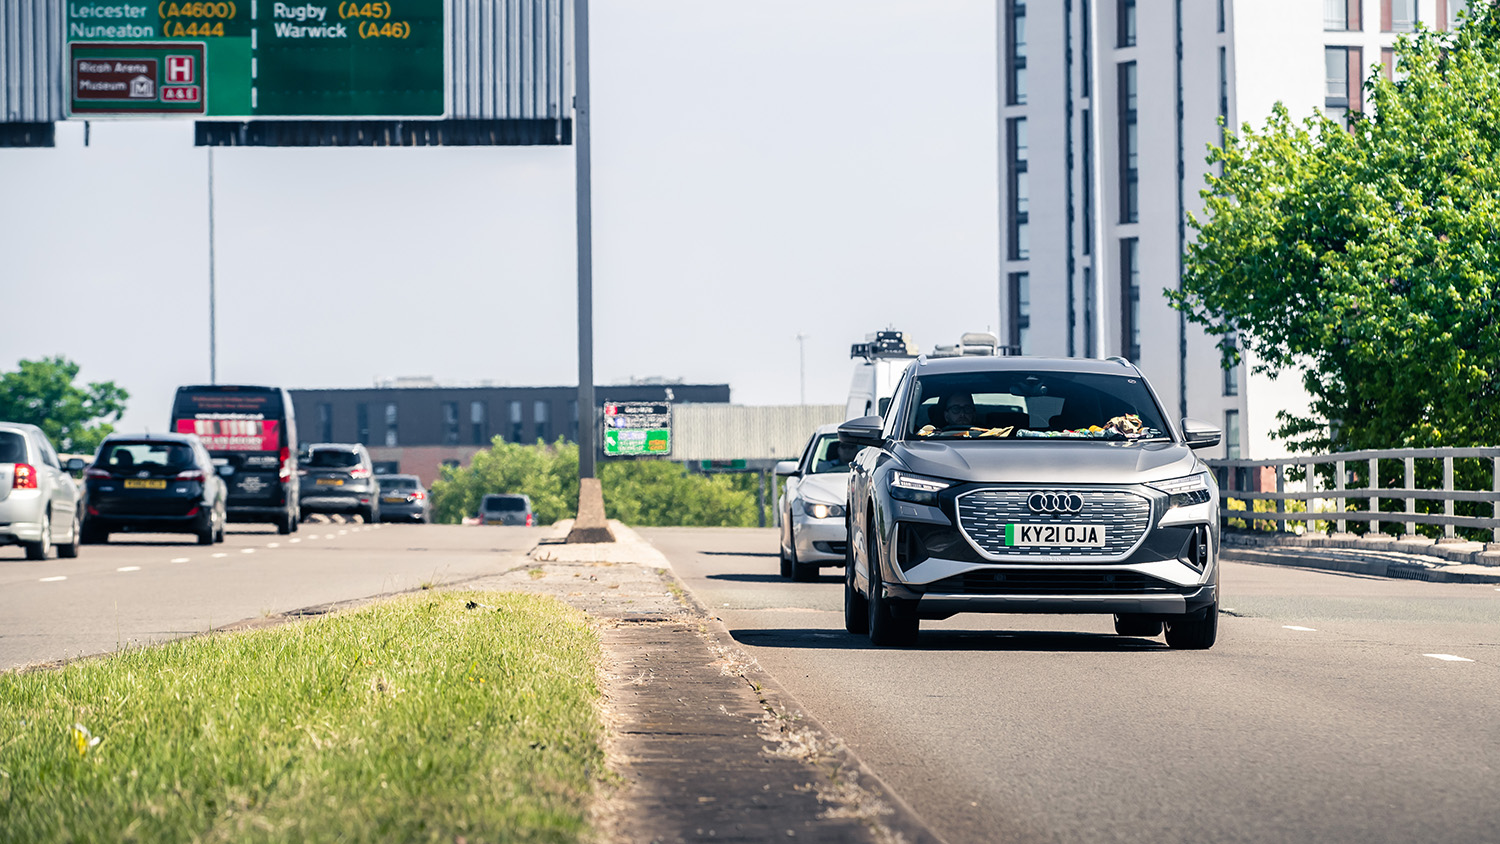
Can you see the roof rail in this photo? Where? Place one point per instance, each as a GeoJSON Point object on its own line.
{"type": "Point", "coordinates": [1121, 361]}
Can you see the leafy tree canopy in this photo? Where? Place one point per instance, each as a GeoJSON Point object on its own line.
{"type": "Point", "coordinates": [42, 393]}
{"type": "Point", "coordinates": [1367, 256]}
{"type": "Point", "coordinates": [637, 492]}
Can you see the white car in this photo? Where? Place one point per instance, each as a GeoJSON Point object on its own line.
{"type": "Point", "coordinates": [813, 532]}
{"type": "Point", "coordinates": [39, 500]}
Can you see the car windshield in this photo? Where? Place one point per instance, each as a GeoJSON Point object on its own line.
{"type": "Point", "coordinates": [160, 458]}
{"type": "Point", "coordinates": [332, 458]}
{"type": "Point", "coordinates": [1020, 404]}
{"type": "Point", "coordinates": [829, 456]}
{"type": "Point", "coordinates": [12, 447]}
{"type": "Point", "coordinates": [504, 503]}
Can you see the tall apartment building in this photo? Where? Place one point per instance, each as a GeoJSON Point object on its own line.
{"type": "Point", "coordinates": [1106, 111]}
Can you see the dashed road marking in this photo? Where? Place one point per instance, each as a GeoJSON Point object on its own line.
{"type": "Point", "coordinates": [128, 568]}
{"type": "Point", "coordinates": [294, 541]}
{"type": "Point", "coordinates": [247, 550]}
{"type": "Point", "coordinates": [217, 556]}
{"type": "Point", "coordinates": [342, 532]}
{"type": "Point", "coordinates": [54, 579]}
{"type": "Point", "coordinates": [1449, 657]}
{"type": "Point", "coordinates": [1303, 629]}
{"type": "Point", "coordinates": [178, 560]}
{"type": "Point", "coordinates": [275, 544]}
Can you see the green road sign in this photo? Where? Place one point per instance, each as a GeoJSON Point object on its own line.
{"type": "Point", "coordinates": [637, 428]}
{"type": "Point", "coordinates": [254, 58]}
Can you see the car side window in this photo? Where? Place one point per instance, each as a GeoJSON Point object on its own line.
{"type": "Point", "coordinates": [44, 448]}
{"type": "Point", "coordinates": [897, 405]}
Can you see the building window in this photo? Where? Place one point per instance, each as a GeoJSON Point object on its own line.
{"type": "Point", "coordinates": [1388, 63]}
{"type": "Point", "coordinates": [1232, 434]}
{"type": "Point", "coordinates": [515, 422]}
{"type": "Point", "coordinates": [1398, 15]}
{"type": "Point", "coordinates": [1015, 39]}
{"type": "Point", "coordinates": [1232, 371]}
{"type": "Point", "coordinates": [1020, 311]}
{"type": "Point", "coordinates": [1221, 16]}
{"type": "Point", "coordinates": [1341, 15]}
{"type": "Point", "coordinates": [362, 423]}
{"type": "Point", "coordinates": [1019, 215]}
{"type": "Point", "coordinates": [539, 415]}
{"type": "Point", "coordinates": [325, 422]}
{"type": "Point", "coordinates": [450, 423]}
{"type": "Point", "coordinates": [1125, 23]}
{"type": "Point", "coordinates": [1129, 151]}
{"type": "Point", "coordinates": [573, 416]}
{"type": "Point", "coordinates": [390, 425]}
{"type": "Point", "coordinates": [1130, 299]}
{"type": "Point", "coordinates": [1088, 313]}
{"type": "Point", "coordinates": [479, 426]}
{"type": "Point", "coordinates": [1087, 71]}
{"type": "Point", "coordinates": [1342, 81]}
{"type": "Point", "coordinates": [1456, 11]}
{"type": "Point", "coordinates": [1088, 182]}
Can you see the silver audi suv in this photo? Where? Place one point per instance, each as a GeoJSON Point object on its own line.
{"type": "Point", "coordinates": [1035, 485]}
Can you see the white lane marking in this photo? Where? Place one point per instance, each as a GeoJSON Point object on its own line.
{"type": "Point", "coordinates": [54, 579]}
{"type": "Point", "coordinates": [1448, 657]}
{"type": "Point", "coordinates": [128, 568]}
{"type": "Point", "coordinates": [217, 556]}
{"type": "Point", "coordinates": [275, 544]}
{"type": "Point", "coordinates": [342, 532]}
{"type": "Point", "coordinates": [247, 550]}
{"type": "Point", "coordinates": [178, 560]}
{"type": "Point", "coordinates": [294, 541]}
{"type": "Point", "coordinates": [1303, 629]}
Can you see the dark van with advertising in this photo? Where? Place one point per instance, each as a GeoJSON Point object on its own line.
{"type": "Point", "coordinates": [254, 431]}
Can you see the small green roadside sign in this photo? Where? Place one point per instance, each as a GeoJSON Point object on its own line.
{"type": "Point", "coordinates": [252, 58]}
{"type": "Point", "coordinates": [637, 428]}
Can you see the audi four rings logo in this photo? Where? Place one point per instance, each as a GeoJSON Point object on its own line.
{"type": "Point", "coordinates": [1055, 502]}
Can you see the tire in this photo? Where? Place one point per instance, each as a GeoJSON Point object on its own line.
{"type": "Point", "coordinates": [205, 533]}
{"type": "Point", "coordinates": [219, 534]}
{"type": "Point", "coordinates": [94, 535]}
{"type": "Point", "coordinates": [889, 624]}
{"type": "Point", "coordinates": [1194, 631]}
{"type": "Point", "coordinates": [42, 548]}
{"type": "Point", "coordinates": [856, 614]}
{"type": "Point", "coordinates": [69, 550]}
{"type": "Point", "coordinates": [369, 515]}
{"type": "Point", "coordinates": [803, 572]}
{"type": "Point", "coordinates": [286, 523]}
{"type": "Point", "coordinates": [788, 559]}
{"type": "Point", "coordinates": [1131, 624]}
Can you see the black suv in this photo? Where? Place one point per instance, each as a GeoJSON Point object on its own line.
{"type": "Point", "coordinates": [339, 478]}
{"type": "Point", "coordinates": [1030, 485]}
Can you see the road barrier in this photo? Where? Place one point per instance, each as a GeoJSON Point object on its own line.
{"type": "Point", "coordinates": [1337, 488]}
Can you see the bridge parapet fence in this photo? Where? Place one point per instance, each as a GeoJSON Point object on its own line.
{"type": "Point", "coordinates": [1381, 491]}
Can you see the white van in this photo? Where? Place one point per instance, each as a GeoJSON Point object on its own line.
{"type": "Point", "coordinates": [880, 360]}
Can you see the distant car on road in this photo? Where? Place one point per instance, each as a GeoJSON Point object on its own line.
{"type": "Point", "coordinates": [403, 497]}
{"type": "Point", "coordinates": [339, 478]}
{"type": "Point", "coordinates": [155, 483]}
{"type": "Point", "coordinates": [39, 501]}
{"type": "Point", "coordinates": [812, 506]}
{"type": "Point", "coordinates": [506, 509]}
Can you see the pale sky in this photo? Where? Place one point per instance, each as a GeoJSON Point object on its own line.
{"type": "Point", "coordinates": [760, 170]}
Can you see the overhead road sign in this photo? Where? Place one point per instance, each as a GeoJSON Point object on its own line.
{"type": "Point", "coordinates": [253, 58]}
{"type": "Point", "coordinates": [637, 428]}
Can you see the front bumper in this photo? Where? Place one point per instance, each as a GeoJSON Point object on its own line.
{"type": "Point", "coordinates": [819, 540]}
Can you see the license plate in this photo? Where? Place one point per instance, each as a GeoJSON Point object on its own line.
{"type": "Point", "coordinates": [394, 499]}
{"type": "Point", "coordinates": [1054, 536]}
{"type": "Point", "coordinates": [136, 483]}
{"type": "Point", "coordinates": [330, 482]}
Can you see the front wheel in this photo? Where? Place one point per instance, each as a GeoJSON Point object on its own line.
{"type": "Point", "coordinates": [890, 623]}
{"type": "Point", "coordinates": [1194, 631]}
{"type": "Point", "coordinates": [856, 614]}
{"type": "Point", "coordinates": [789, 559]}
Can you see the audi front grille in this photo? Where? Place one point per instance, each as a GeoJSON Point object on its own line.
{"type": "Point", "coordinates": [984, 514]}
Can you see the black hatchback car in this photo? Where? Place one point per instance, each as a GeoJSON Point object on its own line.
{"type": "Point", "coordinates": [154, 483]}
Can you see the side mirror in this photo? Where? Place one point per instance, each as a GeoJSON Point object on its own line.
{"type": "Point", "coordinates": [74, 465]}
{"type": "Point", "coordinates": [786, 468]}
{"type": "Point", "coordinates": [1200, 434]}
{"type": "Point", "coordinates": [864, 431]}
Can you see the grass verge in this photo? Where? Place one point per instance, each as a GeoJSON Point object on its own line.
{"type": "Point", "coordinates": [435, 717]}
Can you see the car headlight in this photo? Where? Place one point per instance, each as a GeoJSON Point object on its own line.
{"type": "Point", "coordinates": [823, 511]}
{"type": "Point", "coordinates": [1187, 491]}
{"type": "Point", "coordinates": [916, 488]}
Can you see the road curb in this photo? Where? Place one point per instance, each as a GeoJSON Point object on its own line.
{"type": "Point", "coordinates": [1354, 562]}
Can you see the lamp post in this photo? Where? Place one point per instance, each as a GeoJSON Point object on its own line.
{"type": "Point", "coordinates": [801, 369]}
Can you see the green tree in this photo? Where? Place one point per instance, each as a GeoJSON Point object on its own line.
{"type": "Point", "coordinates": [1367, 255]}
{"type": "Point", "coordinates": [637, 492]}
{"type": "Point", "coordinates": [42, 393]}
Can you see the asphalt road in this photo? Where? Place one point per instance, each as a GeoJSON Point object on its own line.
{"type": "Point", "coordinates": [1334, 708]}
{"type": "Point", "coordinates": [145, 588]}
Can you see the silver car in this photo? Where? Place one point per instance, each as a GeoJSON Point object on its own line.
{"type": "Point", "coordinates": [39, 501]}
{"type": "Point", "coordinates": [812, 506]}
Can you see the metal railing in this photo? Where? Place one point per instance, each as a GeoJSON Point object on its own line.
{"type": "Point", "coordinates": [1355, 476]}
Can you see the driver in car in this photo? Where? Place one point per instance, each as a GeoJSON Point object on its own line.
{"type": "Point", "coordinates": [957, 411]}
